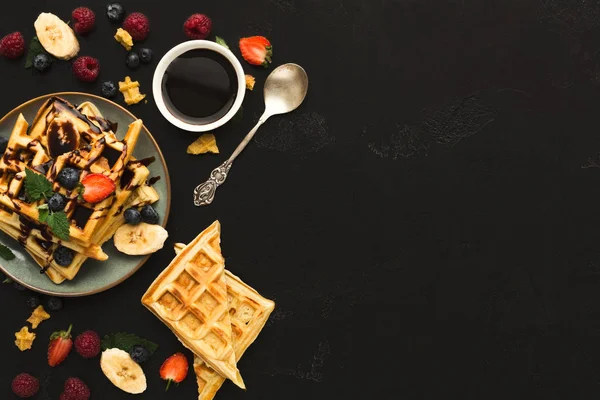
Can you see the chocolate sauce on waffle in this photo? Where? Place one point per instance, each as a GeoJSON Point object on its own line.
{"type": "Point", "coordinates": [153, 180]}
{"type": "Point", "coordinates": [200, 86]}
{"type": "Point", "coordinates": [62, 138]}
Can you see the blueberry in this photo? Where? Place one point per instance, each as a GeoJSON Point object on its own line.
{"type": "Point", "coordinates": [132, 216]}
{"type": "Point", "coordinates": [57, 202]}
{"type": "Point", "coordinates": [68, 178]}
{"type": "Point", "coordinates": [109, 89]}
{"type": "Point", "coordinates": [63, 256]}
{"type": "Point", "coordinates": [149, 215]}
{"type": "Point", "coordinates": [33, 301]}
{"type": "Point", "coordinates": [139, 354]}
{"type": "Point", "coordinates": [54, 304]}
{"type": "Point", "coordinates": [42, 62]}
{"type": "Point", "coordinates": [3, 144]}
{"type": "Point", "coordinates": [132, 60]}
{"type": "Point", "coordinates": [146, 55]}
{"type": "Point", "coordinates": [19, 287]}
{"type": "Point", "coordinates": [115, 12]}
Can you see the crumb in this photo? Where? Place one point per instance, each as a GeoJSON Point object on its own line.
{"type": "Point", "coordinates": [206, 143]}
{"type": "Point", "coordinates": [131, 91]}
{"type": "Point", "coordinates": [250, 82]}
{"type": "Point", "coordinates": [123, 37]}
{"type": "Point", "coordinates": [24, 339]}
{"type": "Point", "coordinates": [38, 315]}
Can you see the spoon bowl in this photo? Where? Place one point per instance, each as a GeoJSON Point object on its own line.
{"type": "Point", "coordinates": [285, 89]}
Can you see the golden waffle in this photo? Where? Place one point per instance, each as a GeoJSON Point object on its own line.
{"type": "Point", "coordinates": [190, 297]}
{"type": "Point", "coordinates": [93, 147]}
{"type": "Point", "coordinates": [249, 313]}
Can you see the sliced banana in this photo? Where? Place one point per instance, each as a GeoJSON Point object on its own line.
{"type": "Point", "coordinates": [141, 239]}
{"type": "Point", "coordinates": [122, 371]}
{"type": "Point", "coordinates": [56, 36]}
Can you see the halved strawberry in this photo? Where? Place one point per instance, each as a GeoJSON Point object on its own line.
{"type": "Point", "coordinates": [60, 347]}
{"type": "Point", "coordinates": [97, 187]}
{"type": "Point", "coordinates": [257, 50]}
{"type": "Point", "coordinates": [174, 369]}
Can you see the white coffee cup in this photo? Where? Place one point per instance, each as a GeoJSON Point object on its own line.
{"type": "Point", "coordinates": [159, 73]}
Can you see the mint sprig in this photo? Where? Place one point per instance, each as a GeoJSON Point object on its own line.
{"type": "Point", "coordinates": [126, 341]}
{"type": "Point", "coordinates": [6, 253]}
{"type": "Point", "coordinates": [59, 223]}
{"type": "Point", "coordinates": [35, 48]}
{"type": "Point", "coordinates": [221, 41]}
{"type": "Point", "coordinates": [37, 186]}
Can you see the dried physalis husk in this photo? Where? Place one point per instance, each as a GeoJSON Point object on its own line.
{"type": "Point", "coordinates": [250, 82]}
{"type": "Point", "coordinates": [206, 143]}
{"type": "Point", "coordinates": [38, 315]}
{"type": "Point", "coordinates": [24, 339]}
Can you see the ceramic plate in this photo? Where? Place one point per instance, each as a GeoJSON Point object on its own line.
{"type": "Point", "coordinates": [94, 276]}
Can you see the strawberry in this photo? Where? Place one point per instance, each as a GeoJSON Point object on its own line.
{"type": "Point", "coordinates": [257, 50]}
{"type": "Point", "coordinates": [174, 369]}
{"type": "Point", "coordinates": [97, 187]}
{"type": "Point", "coordinates": [60, 346]}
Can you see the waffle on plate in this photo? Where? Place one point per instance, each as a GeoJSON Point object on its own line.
{"type": "Point", "coordinates": [60, 136]}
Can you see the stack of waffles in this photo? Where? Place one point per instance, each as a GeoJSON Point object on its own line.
{"type": "Point", "coordinates": [60, 136]}
{"type": "Point", "coordinates": [210, 310]}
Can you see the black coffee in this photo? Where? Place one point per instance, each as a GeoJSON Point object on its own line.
{"type": "Point", "coordinates": [199, 86]}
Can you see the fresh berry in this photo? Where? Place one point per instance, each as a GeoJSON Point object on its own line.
{"type": "Point", "coordinates": [86, 69]}
{"type": "Point", "coordinates": [85, 19]}
{"type": "Point", "coordinates": [132, 60]}
{"type": "Point", "coordinates": [33, 301]}
{"type": "Point", "coordinates": [115, 12]}
{"type": "Point", "coordinates": [109, 89]}
{"type": "Point", "coordinates": [97, 187]}
{"type": "Point", "coordinates": [198, 26]}
{"type": "Point", "coordinates": [87, 344]}
{"type": "Point", "coordinates": [174, 369]}
{"type": "Point", "coordinates": [139, 354]}
{"type": "Point", "coordinates": [60, 347]}
{"type": "Point", "coordinates": [132, 216]}
{"type": "Point", "coordinates": [75, 389]}
{"type": "Point", "coordinates": [149, 215]}
{"type": "Point", "coordinates": [68, 177]}
{"type": "Point", "coordinates": [138, 26]}
{"type": "Point", "coordinates": [54, 304]}
{"type": "Point", "coordinates": [257, 50]}
{"type": "Point", "coordinates": [146, 55]}
{"type": "Point", "coordinates": [57, 202]}
{"type": "Point", "coordinates": [25, 386]}
{"type": "Point", "coordinates": [42, 62]}
{"type": "Point", "coordinates": [19, 287]}
{"type": "Point", "coordinates": [12, 46]}
{"type": "Point", "coordinates": [3, 144]}
{"type": "Point", "coordinates": [63, 256]}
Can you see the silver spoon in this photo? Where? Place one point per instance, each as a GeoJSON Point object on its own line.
{"type": "Point", "coordinates": [285, 90]}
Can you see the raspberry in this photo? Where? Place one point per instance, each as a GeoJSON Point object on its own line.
{"type": "Point", "coordinates": [87, 344]}
{"type": "Point", "coordinates": [86, 69]}
{"type": "Point", "coordinates": [12, 46]}
{"type": "Point", "coordinates": [75, 389]}
{"type": "Point", "coordinates": [25, 386]}
{"type": "Point", "coordinates": [85, 19]}
{"type": "Point", "coordinates": [138, 26]}
{"type": "Point", "coordinates": [197, 26]}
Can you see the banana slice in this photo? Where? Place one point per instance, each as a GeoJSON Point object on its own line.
{"type": "Point", "coordinates": [141, 239]}
{"type": "Point", "coordinates": [122, 371]}
{"type": "Point", "coordinates": [56, 36]}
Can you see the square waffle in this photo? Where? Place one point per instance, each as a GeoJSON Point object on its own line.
{"type": "Point", "coordinates": [190, 297]}
{"type": "Point", "coordinates": [249, 313]}
{"type": "Point", "coordinates": [91, 146]}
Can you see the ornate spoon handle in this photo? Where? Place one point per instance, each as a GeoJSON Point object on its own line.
{"type": "Point", "coordinates": [204, 194]}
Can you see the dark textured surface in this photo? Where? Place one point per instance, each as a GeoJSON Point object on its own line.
{"type": "Point", "coordinates": [425, 222]}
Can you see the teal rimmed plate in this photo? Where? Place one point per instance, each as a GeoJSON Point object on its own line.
{"type": "Point", "coordinates": [94, 276]}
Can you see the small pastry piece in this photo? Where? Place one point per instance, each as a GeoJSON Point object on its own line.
{"type": "Point", "coordinates": [24, 339]}
{"type": "Point", "coordinates": [38, 315]}
{"type": "Point", "coordinates": [131, 91]}
{"type": "Point", "coordinates": [250, 82]}
{"type": "Point", "coordinates": [204, 144]}
{"type": "Point", "coordinates": [123, 37]}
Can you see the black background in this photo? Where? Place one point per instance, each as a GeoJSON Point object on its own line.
{"type": "Point", "coordinates": [424, 221]}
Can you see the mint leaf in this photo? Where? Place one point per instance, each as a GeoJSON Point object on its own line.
{"type": "Point", "coordinates": [43, 212]}
{"type": "Point", "coordinates": [35, 48]}
{"type": "Point", "coordinates": [6, 253]}
{"type": "Point", "coordinates": [37, 186]}
{"type": "Point", "coordinates": [7, 280]}
{"type": "Point", "coordinates": [221, 41]}
{"type": "Point", "coordinates": [125, 342]}
{"type": "Point", "coordinates": [59, 223]}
